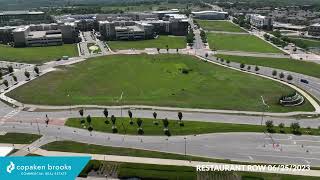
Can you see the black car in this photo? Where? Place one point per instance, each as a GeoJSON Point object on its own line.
{"type": "Point", "coordinates": [304, 81]}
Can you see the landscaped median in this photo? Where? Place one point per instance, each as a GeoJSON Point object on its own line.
{"type": "Point", "coordinates": [303, 67]}
{"type": "Point", "coordinates": [167, 80]}
{"type": "Point", "coordinates": [156, 127]}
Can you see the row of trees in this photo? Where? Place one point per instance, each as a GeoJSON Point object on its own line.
{"type": "Point", "coordinates": [282, 75]}
{"type": "Point", "coordinates": [294, 127]}
{"type": "Point", "coordinates": [15, 79]}
{"type": "Point", "coordinates": [139, 121]}
{"type": "Point", "coordinates": [190, 36]}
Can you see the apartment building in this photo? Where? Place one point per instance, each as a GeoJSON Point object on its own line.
{"type": "Point", "coordinates": [210, 15]}
{"type": "Point", "coordinates": [314, 29]}
{"type": "Point", "coordinates": [259, 21]}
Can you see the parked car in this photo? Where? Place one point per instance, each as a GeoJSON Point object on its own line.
{"type": "Point", "coordinates": [304, 81]}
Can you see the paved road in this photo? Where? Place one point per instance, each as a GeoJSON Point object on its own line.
{"type": "Point", "coordinates": [252, 54]}
{"type": "Point", "coordinates": [251, 147]}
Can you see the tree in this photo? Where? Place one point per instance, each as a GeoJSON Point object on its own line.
{"type": "Point", "coordinates": [81, 112]}
{"type": "Point", "coordinates": [180, 118]}
{"type": "Point", "coordinates": [274, 73]}
{"type": "Point", "coordinates": [113, 120]}
{"type": "Point", "coordinates": [27, 74]}
{"type": "Point", "coordinates": [222, 60]}
{"type": "Point", "coordinates": [166, 126]}
{"type": "Point", "coordinates": [167, 47]}
{"type": "Point", "coordinates": [155, 122]}
{"type": "Point", "coordinates": [257, 68]}
{"type": "Point", "coordinates": [90, 129]}
{"type": "Point", "coordinates": [139, 123]}
{"type": "Point", "coordinates": [106, 114]}
{"type": "Point", "coordinates": [248, 68]}
{"type": "Point", "coordinates": [89, 119]}
{"type": "Point", "coordinates": [206, 55]}
{"type": "Point", "coordinates": [10, 69]}
{"type": "Point", "coordinates": [36, 70]}
{"type": "Point", "coordinates": [177, 50]}
{"type": "Point", "coordinates": [228, 62]}
{"type": "Point", "coordinates": [281, 75]}
{"type": "Point", "coordinates": [269, 126]}
{"type": "Point", "coordinates": [130, 116]}
{"type": "Point", "coordinates": [281, 127]}
{"type": "Point", "coordinates": [242, 65]}
{"type": "Point", "coordinates": [1, 74]}
{"type": "Point", "coordinates": [6, 83]}
{"type": "Point", "coordinates": [158, 49]}
{"type": "Point", "coordinates": [15, 79]}
{"type": "Point", "coordinates": [295, 128]}
{"type": "Point", "coordinates": [289, 78]}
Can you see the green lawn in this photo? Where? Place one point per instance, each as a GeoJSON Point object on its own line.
{"type": "Point", "coordinates": [161, 42]}
{"type": "Point", "coordinates": [163, 80]}
{"type": "Point", "coordinates": [18, 138]}
{"type": "Point", "coordinates": [305, 43]}
{"type": "Point", "coordinates": [303, 67]}
{"type": "Point", "coordinates": [237, 42]}
{"type": "Point", "coordinates": [168, 172]}
{"type": "Point", "coordinates": [37, 55]}
{"type": "Point", "coordinates": [189, 128]}
{"type": "Point", "coordinates": [219, 26]}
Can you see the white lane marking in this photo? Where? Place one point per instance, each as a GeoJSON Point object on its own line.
{"type": "Point", "coordinates": [250, 157]}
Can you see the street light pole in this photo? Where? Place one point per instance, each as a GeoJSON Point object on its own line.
{"type": "Point", "coordinates": [185, 147]}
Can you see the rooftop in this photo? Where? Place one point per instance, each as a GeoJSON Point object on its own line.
{"type": "Point", "coordinates": [208, 12]}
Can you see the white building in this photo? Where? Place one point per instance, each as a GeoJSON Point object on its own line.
{"type": "Point", "coordinates": [259, 21]}
{"type": "Point", "coordinates": [314, 29]}
{"type": "Point", "coordinates": [210, 15]}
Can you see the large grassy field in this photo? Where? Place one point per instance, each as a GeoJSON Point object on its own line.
{"type": "Point", "coordinates": [163, 80]}
{"type": "Point", "coordinates": [219, 26]}
{"type": "Point", "coordinates": [18, 138]}
{"type": "Point", "coordinates": [161, 42]}
{"type": "Point", "coordinates": [237, 42]}
{"type": "Point", "coordinates": [37, 55]}
{"type": "Point", "coordinates": [305, 43]}
{"type": "Point", "coordinates": [303, 67]}
{"type": "Point", "coordinates": [189, 128]}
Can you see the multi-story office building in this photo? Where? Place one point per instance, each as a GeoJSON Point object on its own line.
{"type": "Point", "coordinates": [14, 18]}
{"type": "Point", "coordinates": [210, 15]}
{"type": "Point", "coordinates": [314, 29]}
{"type": "Point", "coordinates": [6, 34]}
{"type": "Point", "coordinates": [44, 35]}
{"type": "Point", "coordinates": [259, 21]}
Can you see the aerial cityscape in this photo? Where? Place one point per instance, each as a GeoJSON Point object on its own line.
{"type": "Point", "coordinates": [152, 89]}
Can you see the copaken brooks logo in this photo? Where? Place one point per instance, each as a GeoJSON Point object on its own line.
{"type": "Point", "coordinates": [10, 167]}
{"type": "Point", "coordinates": [34, 169]}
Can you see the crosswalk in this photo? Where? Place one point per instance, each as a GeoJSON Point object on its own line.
{"type": "Point", "coordinates": [8, 116]}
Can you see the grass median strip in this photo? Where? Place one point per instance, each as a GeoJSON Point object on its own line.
{"type": "Point", "coordinates": [189, 127]}
{"type": "Point", "coordinates": [162, 80]}
{"type": "Point", "coordinates": [303, 67]}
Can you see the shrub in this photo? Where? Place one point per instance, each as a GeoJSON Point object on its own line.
{"type": "Point", "coordinates": [242, 65]}
{"type": "Point", "coordinates": [289, 78]}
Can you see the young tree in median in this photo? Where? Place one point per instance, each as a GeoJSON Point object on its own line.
{"type": "Point", "coordinates": [81, 112]}
{"type": "Point", "coordinates": [90, 129]}
{"type": "Point", "coordinates": [114, 127]}
{"type": "Point", "coordinates": [281, 75]}
{"type": "Point", "coordinates": [281, 127]}
{"type": "Point", "coordinates": [289, 78]}
{"type": "Point", "coordinates": [89, 119]}
{"type": "Point", "coordinates": [27, 74]}
{"type": "Point", "coordinates": [15, 79]}
{"type": "Point", "coordinates": [139, 123]}
{"type": "Point", "coordinates": [6, 83]}
{"type": "Point", "coordinates": [155, 122]}
{"type": "Point", "coordinates": [36, 70]}
{"type": "Point", "coordinates": [295, 128]}
{"type": "Point", "coordinates": [10, 69]}
{"type": "Point", "coordinates": [269, 126]}
{"type": "Point", "coordinates": [158, 49]}
{"type": "Point", "coordinates": [228, 62]}
{"type": "Point", "coordinates": [130, 116]}
{"type": "Point", "coordinates": [166, 126]}
{"type": "Point", "coordinates": [257, 68]}
{"type": "Point", "coordinates": [274, 73]}
{"type": "Point", "coordinates": [242, 65]}
{"type": "Point", "coordinates": [1, 74]}
{"type": "Point", "coordinates": [106, 114]}
{"type": "Point", "coordinates": [180, 116]}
